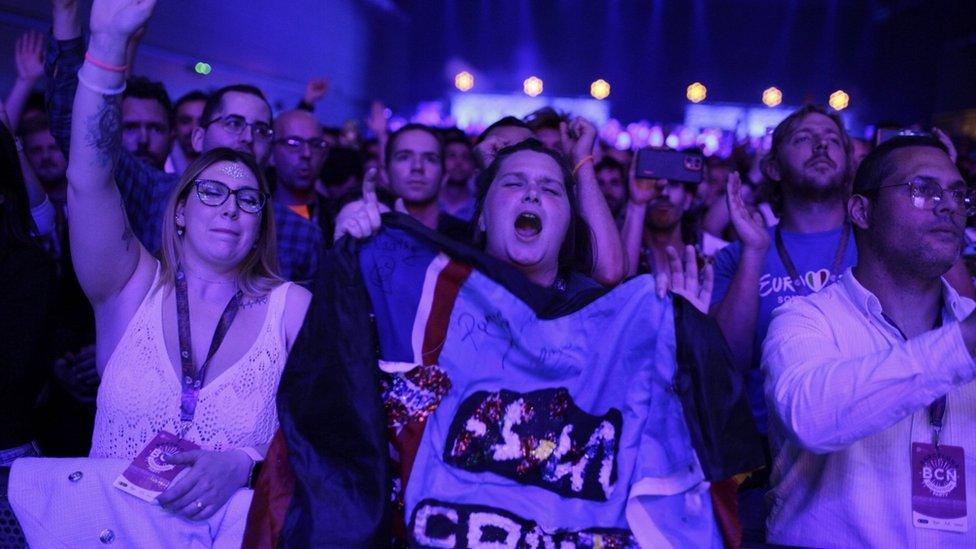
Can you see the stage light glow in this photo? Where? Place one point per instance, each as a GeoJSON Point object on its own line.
{"type": "Point", "coordinates": [464, 81]}
{"type": "Point", "coordinates": [696, 92]}
{"type": "Point", "coordinates": [672, 141]}
{"type": "Point", "coordinates": [203, 68]}
{"type": "Point", "coordinates": [600, 89]}
{"type": "Point", "coordinates": [656, 138]}
{"type": "Point", "coordinates": [623, 141]}
{"type": "Point", "coordinates": [772, 97]}
{"type": "Point", "coordinates": [839, 100]}
{"type": "Point", "coordinates": [532, 86]}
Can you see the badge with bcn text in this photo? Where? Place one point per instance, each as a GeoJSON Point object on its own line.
{"type": "Point", "coordinates": [149, 474]}
{"type": "Point", "coordinates": [939, 487]}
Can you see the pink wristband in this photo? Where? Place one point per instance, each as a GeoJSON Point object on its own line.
{"type": "Point", "coordinates": [105, 66]}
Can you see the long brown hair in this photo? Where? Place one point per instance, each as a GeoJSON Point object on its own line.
{"type": "Point", "coordinates": [784, 130]}
{"type": "Point", "coordinates": [258, 273]}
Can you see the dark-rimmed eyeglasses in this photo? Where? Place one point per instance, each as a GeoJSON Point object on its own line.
{"type": "Point", "coordinates": [927, 194]}
{"type": "Point", "coordinates": [296, 144]}
{"type": "Point", "coordinates": [214, 193]}
{"type": "Point", "coordinates": [235, 124]}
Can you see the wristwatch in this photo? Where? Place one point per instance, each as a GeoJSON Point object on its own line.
{"type": "Point", "coordinates": [257, 463]}
{"type": "Point", "coordinates": [252, 477]}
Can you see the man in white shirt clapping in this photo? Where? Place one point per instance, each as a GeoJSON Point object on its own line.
{"type": "Point", "coordinates": [867, 450]}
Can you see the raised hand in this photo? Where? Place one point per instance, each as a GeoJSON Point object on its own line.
{"type": "Point", "coordinates": [315, 90]}
{"type": "Point", "coordinates": [361, 218]}
{"type": "Point", "coordinates": [376, 121]}
{"type": "Point", "coordinates": [641, 190]}
{"type": "Point", "coordinates": [578, 137]}
{"type": "Point", "coordinates": [205, 487]}
{"type": "Point", "coordinates": [29, 56]}
{"type": "Point", "coordinates": [750, 226]}
{"type": "Point", "coordinates": [120, 18]}
{"type": "Point", "coordinates": [681, 277]}
{"type": "Point", "coordinates": [486, 150]}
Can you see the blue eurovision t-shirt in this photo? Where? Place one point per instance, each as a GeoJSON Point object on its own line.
{"type": "Point", "coordinates": [812, 254]}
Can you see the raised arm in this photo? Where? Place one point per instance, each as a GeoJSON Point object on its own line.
{"type": "Point", "coordinates": [640, 193]}
{"type": "Point", "coordinates": [738, 310]}
{"type": "Point", "coordinates": [104, 250]}
{"type": "Point", "coordinates": [35, 192]}
{"type": "Point", "coordinates": [144, 188]}
{"type": "Point", "coordinates": [315, 90]}
{"type": "Point", "coordinates": [825, 399]}
{"type": "Point", "coordinates": [28, 57]}
{"type": "Point", "coordinates": [607, 250]}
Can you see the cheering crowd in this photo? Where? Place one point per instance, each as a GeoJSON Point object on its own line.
{"type": "Point", "coordinates": [226, 325]}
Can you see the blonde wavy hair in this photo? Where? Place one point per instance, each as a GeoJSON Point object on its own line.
{"type": "Point", "coordinates": [258, 273]}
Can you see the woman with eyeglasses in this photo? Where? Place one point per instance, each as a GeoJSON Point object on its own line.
{"type": "Point", "coordinates": [190, 346]}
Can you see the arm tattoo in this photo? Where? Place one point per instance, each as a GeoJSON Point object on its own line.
{"type": "Point", "coordinates": [127, 234]}
{"type": "Point", "coordinates": [105, 130]}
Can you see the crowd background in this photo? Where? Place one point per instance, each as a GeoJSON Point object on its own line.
{"type": "Point", "coordinates": [331, 134]}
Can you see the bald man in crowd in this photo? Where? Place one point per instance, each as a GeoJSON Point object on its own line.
{"type": "Point", "coordinates": [297, 156]}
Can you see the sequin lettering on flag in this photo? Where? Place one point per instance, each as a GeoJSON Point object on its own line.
{"type": "Point", "coordinates": [539, 438]}
{"type": "Point", "coordinates": [448, 525]}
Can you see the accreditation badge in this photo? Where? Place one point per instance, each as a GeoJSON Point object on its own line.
{"type": "Point", "coordinates": [939, 487]}
{"type": "Point", "coordinates": [150, 474]}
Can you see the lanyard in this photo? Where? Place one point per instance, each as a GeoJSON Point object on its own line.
{"type": "Point", "coordinates": [937, 409]}
{"type": "Point", "coordinates": [784, 256]}
{"type": "Point", "coordinates": [192, 379]}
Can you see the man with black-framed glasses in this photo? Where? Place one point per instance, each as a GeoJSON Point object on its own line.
{"type": "Point", "coordinates": [237, 117]}
{"type": "Point", "coordinates": [870, 381]}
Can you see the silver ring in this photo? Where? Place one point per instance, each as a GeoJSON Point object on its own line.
{"type": "Point", "coordinates": [199, 505]}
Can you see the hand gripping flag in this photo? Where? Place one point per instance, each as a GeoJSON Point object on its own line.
{"type": "Point", "coordinates": [437, 396]}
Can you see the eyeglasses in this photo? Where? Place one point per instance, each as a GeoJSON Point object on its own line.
{"type": "Point", "coordinates": [235, 124]}
{"type": "Point", "coordinates": [296, 144]}
{"type": "Point", "coordinates": [928, 195]}
{"type": "Point", "coordinates": [214, 193]}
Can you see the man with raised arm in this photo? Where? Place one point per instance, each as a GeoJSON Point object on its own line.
{"type": "Point", "coordinates": [809, 164]}
{"type": "Point", "coordinates": [870, 381]}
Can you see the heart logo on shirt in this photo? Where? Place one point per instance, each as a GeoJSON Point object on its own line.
{"type": "Point", "coordinates": [816, 280]}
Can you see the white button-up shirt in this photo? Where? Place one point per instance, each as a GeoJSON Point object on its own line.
{"type": "Point", "coordinates": [847, 396]}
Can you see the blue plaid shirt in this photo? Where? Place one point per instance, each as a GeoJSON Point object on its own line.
{"type": "Point", "coordinates": [299, 241]}
{"type": "Point", "coordinates": [146, 190]}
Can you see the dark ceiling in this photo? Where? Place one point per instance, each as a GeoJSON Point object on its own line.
{"type": "Point", "coordinates": [902, 60]}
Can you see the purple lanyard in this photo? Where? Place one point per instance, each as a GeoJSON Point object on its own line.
{"type": "Point", "coordinates": [193, 378]}
{"type": "Point", "coordinates": [784, 256]}
{"type": "Point", "coordinates": [937, 409]}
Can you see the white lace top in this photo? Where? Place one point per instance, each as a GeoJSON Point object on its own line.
{"type": "Point", "coordinates": [140, 392]}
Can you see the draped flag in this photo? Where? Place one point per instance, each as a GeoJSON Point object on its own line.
{"type": "Point", "coordinates": [438, 396]}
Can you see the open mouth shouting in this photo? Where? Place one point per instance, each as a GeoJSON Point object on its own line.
{"type": "Point", "coordinates": [528, 225]}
